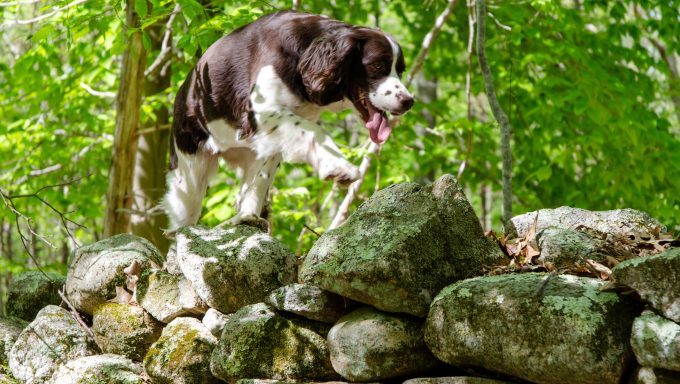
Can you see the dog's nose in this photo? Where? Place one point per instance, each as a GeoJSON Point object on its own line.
{"type": "Point", "coordinates": [406, 101]}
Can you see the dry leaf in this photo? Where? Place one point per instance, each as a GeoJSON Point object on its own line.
{"type": "Point", "coordinates": [122, 296]}
{"type": "Point", "coordinates": [598, 268]}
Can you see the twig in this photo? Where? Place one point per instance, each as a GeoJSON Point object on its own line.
{"type": "Point", "coordinates": [311, 230]}
{"type": "Point", "coordinates": [166, 48]}
{"type": "Point", "coordinates": [76, 315]}
{"type": "Point", "coordinates": [498, 113]}
{"type": "Point", "coordinates": [353, 189]}
{"type": "Point", "coordinates": [108, 95]}
{"type": "Point", "coordinates": [15, 3]}
{"type": "Point", "coordinates": [159, 128]}
{"type": "Point", "coordinates": [468, 84]}
{"type": "Point", "coordinates": [498, 23]}
{"type": "Point", "coordinates": [47, 15]}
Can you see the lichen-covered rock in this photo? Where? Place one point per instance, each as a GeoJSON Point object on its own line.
{"type": "Point", "coordinates": [6, 377]}
{"type": "Point", "coordinates": [454, 380]}
{"type": "Point", "coordinates": [182, 354]}
{"type": "Point", "coordinates": [166, 296]}
{"type": "Point", "coordinates": [235, 266]}
{"type": "Point", "coordinates": [620, 222]}
{"type": "Point", "coordinates": [104, 369]}
{"type": "Point", "coordinates": [53, 338]}
{"type": "Point", "coordinates": [656, 342]}
{"type": "Point", "coordinates": [29, 292]}
{"type": "Point", "coordinates": [272, 381]}
{"type": "Point", "coordinates": [170, 264]}
{"type": "Point", "coordinates": [258, 343]}
{"type": "Point", "coordinates": [97, 269]}
{"type": "Point", "coordinates": [539, 327]}
{"type": "Point", "coordinates": [309, 301]}
{"type": "Point", "coordinates": [214, 321]}
{"type": "Point", "coordinates": [649, 375]}
{"type": "Point", "coordinates": [565, 247]}
{"type": "Point", "coordinates": [124, 329]}
{"type": "Point", "coordinates": [656, 279]}
{"type": "Point", "coordinates": [401, 247]}
{"type": "Point", "coordinates": [10, 328]}
{"type": "Point", "coordinates": [368, 345]}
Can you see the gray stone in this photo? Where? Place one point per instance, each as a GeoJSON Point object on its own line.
{"type": "Point", "coordinates": [310, 302]}
{"type": "Point", "coordinates": [271, 381]}
{"type": "Point", "coordinates": [10, 328]}
{"type": "Point", "coordinates": [97, 269]}
{"type": "Point", "coordinates": [53, 338]}
{"type": "Point", "coordinates": [620, 222]}
{"type": "Point", "coordinates": [235, 266]}
{"type": "Point", "coordinates": [6, 377]}
{"type": "Point", "coordinates": [454, 380]}
{"type": "Point", "coordinates": [104, 369]}
{"type": "Point", "coordinates": [656, 279]}
{"type": "Point", "coordinates": [166, 296]}
{"type": "Point", "coordinates": [401, 247]}
{"type": "Point", "coordinates": [656, 342]}
{"type": "Point", "coordinates": [565, 247]}
{"type": "Point", "coordinates": [554, 319]}
{"type": "Point", "coordinates": [124, 329]}
{"type": "Point", "coordinates": [29, 292]}
{"type": "Point", "coordinates": [171, 265]}
{"type": "Point", "coordinates": [214, 321]}
{"type": "Point", "coordinates": [258, 343]}
{"type": "Point", "coordinates": [649, 375]}
{"type": "Point", "coordinates": [182, 354]}
{"type": "Point", "coordinates": [368, 345]}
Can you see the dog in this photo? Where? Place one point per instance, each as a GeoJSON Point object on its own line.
{"type": "Point", "coordinates": [254, 99]}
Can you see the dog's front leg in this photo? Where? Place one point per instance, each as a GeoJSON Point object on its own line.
{"type": "Point", "coordinates": [301, 141]}
{"type": "Point", "coordinates": [258, 177]}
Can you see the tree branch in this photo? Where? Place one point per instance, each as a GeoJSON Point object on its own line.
{"type": "Point", "coordinates": [166, 47]}
{"type": "Point", "coordinates": [47, 15]}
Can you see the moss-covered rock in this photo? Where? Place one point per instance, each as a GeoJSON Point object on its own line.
{"type": "Point", "coordinates": [10, 328]}
{"type": "Point", "coordinates": [454, 380]}
{"type": "Point", "coordinates": [182, 354]}
{"type": "Point", "coordinates": [656, 342]}
{"type": "Point", "coordinates": [401, 247]}
{"type": "Point", "coordinates": [124, 329]}
{"type": "Point", "coordinates": [98, 369]}
{"type": "Point", "coordinates": [539, 327]}
{"type": "Point", "coordinates": [53, 338]}
{"type": "Point", "coordinates": [649, 375]}
{"type": "Point", "coordinates": [235, 266]}
{"type": "Point", "coordinates": [97, 269]}
{"type": "Point", "coordinates": [257, 343]}
{"type": "Point", "coordinates": [310, 302]}
{"type": "Point", "coordinates": [656, 279]}
{"type": "Point", "coordinates": [29, 292]}
{"type": "Point", "coordinates": [166, 296]}
{"type": "Point", "coordinates": [368, 345]}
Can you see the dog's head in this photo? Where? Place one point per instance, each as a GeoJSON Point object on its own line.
{"type": "Point", "coordinates": [362, 65]}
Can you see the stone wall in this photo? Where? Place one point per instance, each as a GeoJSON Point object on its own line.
{"type": "Point", "coordinates": [409, 290]}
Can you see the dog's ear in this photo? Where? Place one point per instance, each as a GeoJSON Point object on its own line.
{"type": "Point", "coordinates": [324, 66]}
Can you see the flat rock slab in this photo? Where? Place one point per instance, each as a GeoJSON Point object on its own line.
{"type": "Point", "coordinates": [619, 222]}
{"type": "Point", "coordinates": [656, 279]}
{"type": "Point", "coordinates": [97, 269]}
{"type": "Point", "coordinates": [105, 369]}
{"type": "Point", "coordinates": [29, 292]}
{"type": "Point", "coordinates": [401, 247]}
{"type": "Point", "coordinates": [235, 266]}
{"type": "Point", "coordinates": [258, 343]}
{"type": "Point", "coordinates": [656, 342]}
{"type": "Point", "coordinates": [10, 328]}
{"type": "Point", "coordinates": [53, 338]}
{"type": "Point", "coordinates": [309, 301]}
{"type": "Point", "coordinates": [124, 329]}
{"type": "Point", "coordinates": [534, 326]}
{"type": "Point", "coordinates": [454, 380]}
{"type": "Point", "coordinates": [182, 354]}
{"type": "Point", "coordinates": [369, 345]}
{"type": "Point", "coordinates": [166, 296]}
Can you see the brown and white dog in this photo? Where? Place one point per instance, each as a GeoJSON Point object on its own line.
{"type": "Point", "coordinates": [254, 99]}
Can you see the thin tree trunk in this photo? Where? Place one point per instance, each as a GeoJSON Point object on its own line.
{"type": "Point", "coordinates": [128, 104]}
{"type": "Point", "coordinates": [498, 113]}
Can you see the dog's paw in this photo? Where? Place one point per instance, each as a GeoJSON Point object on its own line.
{"type": "Point", "coordinates": [343, 172]}
{"type": "Point", "coordinates": [249, 220]}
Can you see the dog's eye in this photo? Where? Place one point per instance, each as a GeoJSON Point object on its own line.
{"type": "Point", "coordinates": [377, 67]}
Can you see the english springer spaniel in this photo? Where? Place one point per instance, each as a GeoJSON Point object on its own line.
{"type": "Point", "coordinates": [254, 97]}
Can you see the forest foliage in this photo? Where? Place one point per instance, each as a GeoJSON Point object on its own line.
{"type": "Point", "coordinates": [590, 87]}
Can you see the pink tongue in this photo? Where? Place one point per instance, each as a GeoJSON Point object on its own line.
{"type": "Point", "coordinates": [378, 127]}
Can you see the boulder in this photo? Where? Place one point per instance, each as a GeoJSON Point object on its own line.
{"type": "Point", "coordinates": [108, 369]}
{"type": "Point", "coordinates": [656, 342]}
{"type": "Point", "coordinates": [401, 247]}
{"type": "Point", "coordinates": [214, 321]}
{"type": "Point", "coordinates": [620, 222]}
{"type": "Point", "coordinates": [258, 343]}
{"type": "Point", "coordinates": [170, 264]}
{"type": "Point", "coordinates": [29, 292]}
{"type": "Point", "coordinates": [566, 247]}
{"type": "Point", "coordinates": [234, 266]}
{"type": "Point", "coordinates": [539, 327]}
{"type": "Point", "coordinates": [310, 302]}
{"type": "Point", "coordinates": [182, 354]}
{"type": "Point", "coordinates": [166, 296]}
{"type": "Point", "coordinates": [97, 269]}
{"type": "Point", "coordinates": [53, 338]}
{"type": "Point", "coordinates": [656, 279]}
{"type": "Point", "coordinates": [649, 375]}
{"type": "Point", "coordinates": [124, 329]}
{"type": "Point", "coordinates": [454, 380]}
{"type": "Point", "coordinates": [10, 328]}
{"type": "Point", "coordinates": [368, 345]}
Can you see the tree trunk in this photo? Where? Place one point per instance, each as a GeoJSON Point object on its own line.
{"type": "Point", "coordinates": [128, 104]}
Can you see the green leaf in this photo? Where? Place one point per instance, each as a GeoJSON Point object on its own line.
{"type": "Point", "coordinates": [141, 7]}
